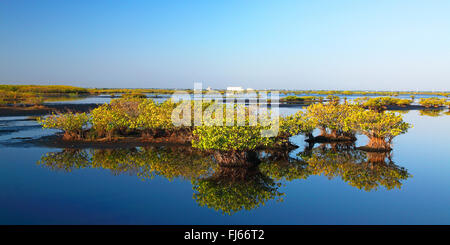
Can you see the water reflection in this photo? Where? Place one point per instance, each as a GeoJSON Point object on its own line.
{"type": "Point", "coordinates": [232, 188]}
{"type": "Point", "coordinates": [145, 162]}
{"type": "Point", "coordinates": [432, 112]}
{"type": "Point", "coordinates": [363, 170]}
{"type": "Point", "coordinates": [226, 183]}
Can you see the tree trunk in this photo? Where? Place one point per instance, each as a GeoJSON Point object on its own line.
{"type": "Point", "coordinates": [109, 135]}
{"type": "Point", "coordinates": [333, 134]}
{"type": "Point", "coordinates": [309, 136]}
{"type": "Point", "coordinates": [323, 131]}
{"type": "Point", "coordinates": [378, 143]}
{"type": "Point", "coordinates": [146, 134]}
{"type": "Point", "coordinates": [71, 136]}
{"type": "Point", "coordinates": [376, 157]}
{"type": "Point", "coordinates": [236, 158]}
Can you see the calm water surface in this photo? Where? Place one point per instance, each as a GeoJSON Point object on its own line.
{"type": "Point", "coordinates": [152, 185]}
{"type": "Point", "coordinates": [100, 99]}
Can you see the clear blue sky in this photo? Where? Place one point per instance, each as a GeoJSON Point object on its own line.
{"type": "Point", "coordinates": [377, 45]}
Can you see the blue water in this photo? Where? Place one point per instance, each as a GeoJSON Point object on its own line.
{"type": "Point", "coordinates": [101, 99]}
{"type": "Point", "coordinates": [33, 193]}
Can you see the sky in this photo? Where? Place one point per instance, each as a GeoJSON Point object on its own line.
{"type": "Point", "coordinates": [345, 45]}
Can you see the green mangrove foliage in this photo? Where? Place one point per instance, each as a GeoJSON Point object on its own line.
{"type": "Point", "coordinates": [333, 99]}
{"type": "Point", "coordinates": [121, 117]}
{"type": "Point", "coordinates": [297, 124]}
{"type": "Point", "coordinates": [134, 95]}
{"type": "Point", "coordinates": [246, 132]}
{"type": "Point", "coordinates": [73, 124]}
{"type": "Point", "coordinates": [153, 117]}
{"type": "Point", "coordinates": [332, 119]}
{"type": "Point", "coordinates": [298, 99]}
{"type": "Point", "coordinates": [379, 127]}
{"type": "Point", "coordinates": [116, 117]}
{"type": "Point", "coordinates": [130, 117]}
{"type": "Point", "coordinates": [381, 103]}
{"type": "Point", "coordinates": [432, 102]}
{"type": "Point", "coordinates": [229, 138]}
{"type": "Point", "coordinates": [342, 121]}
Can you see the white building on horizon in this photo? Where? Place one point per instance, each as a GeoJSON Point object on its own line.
{"type": "Point", "coordinates": [235, 89]}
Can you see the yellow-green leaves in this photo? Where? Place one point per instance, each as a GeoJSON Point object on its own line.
{"type": "Point", "coordinates": [296, 124]}
{"type": "Point", "coordinates": [381, 103]}
{"type": "Point", "coordinates": [333, 117]}
{"type": "Point", "coordinates": [72, 123]}
{"type": "Point", "coordinates": [230, 137]}
{"type": "Point", "coordinates": [120, 114]}
{"type": "Point", "coordinates": [233, 137]}
{"type": "Point", "coordinates": [379, 124]}
{"type": "Point", "coordinates": [432, 102]}
{"type": "Point", "coordinates": [154, 116]}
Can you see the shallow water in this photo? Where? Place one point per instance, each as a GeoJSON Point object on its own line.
{"type": "Point", "coordinates": [101, 99]}
{"type": "Point", "coordinates": [163, 186]}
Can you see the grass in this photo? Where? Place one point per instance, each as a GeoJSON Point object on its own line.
{"type": "Point", "coordinates": [43, 89]}
{"type": "Point", "coordinates": [19, 98]}
{"type": "Point", "coordinates": [292, 98]}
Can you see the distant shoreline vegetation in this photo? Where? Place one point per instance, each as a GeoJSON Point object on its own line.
{"type": "Point", "coordinates": [48, 89]}
{"type": "Point", "coordinates": [36, 95]}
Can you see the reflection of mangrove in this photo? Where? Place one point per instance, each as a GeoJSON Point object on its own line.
{"type": "Point", "coordinates": [232, 188]}
{"type": "Point", "coordinates": [431, 112]}
{"type": "Point", "coordinates": [363, 170]}
{"type": "Point", "coordinates": [225, 182]}
{"type": "Point", "coordinates": [278, 166]}
{"type": "Point", "coordinates": [66, 160]}
{"type": "Point", "coordinates": [169, 162]}
{"type": "Point", "coordinates": [236, 158]}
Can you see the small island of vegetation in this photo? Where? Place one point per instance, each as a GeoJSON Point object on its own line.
{"type": "Point", "coordinates": [148, 120]}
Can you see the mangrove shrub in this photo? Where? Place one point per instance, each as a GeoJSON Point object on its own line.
{"type": "Point", "coordinates": [379, 127]}
{"type": "Point", "coordinates": [71, 123]}
{"type": "Point", "coordinates": [432, 102]}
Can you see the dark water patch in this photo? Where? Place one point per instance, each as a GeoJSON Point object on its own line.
{"type": "Point", "coordinates": [56, 141]}
{"type": "Point", "coordinates": [18, 111]}
{"type": "Point", "coordinates": [17, 120]}
{"type": "Point", "coordinates": [14, 129]}
{"type": "Point", "coordinates": [6, 131]}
